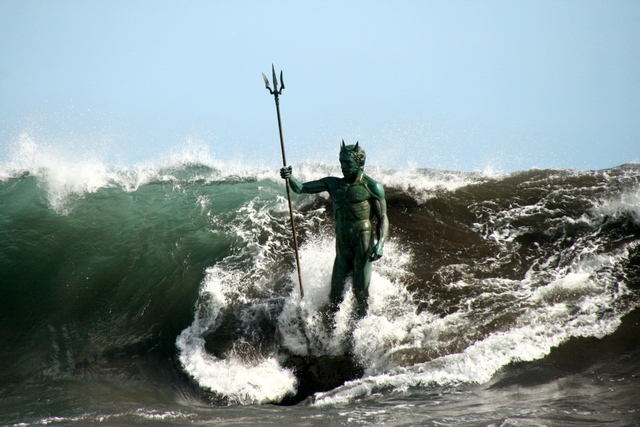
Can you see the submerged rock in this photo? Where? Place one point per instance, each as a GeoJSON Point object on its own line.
{"type": "Point", "coordinates": [320, 373]}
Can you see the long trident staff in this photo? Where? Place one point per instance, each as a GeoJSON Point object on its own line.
{"type": "Point", "coordinates": [276, 93]}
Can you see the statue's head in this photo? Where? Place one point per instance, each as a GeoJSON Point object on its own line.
{"type": "Point", "coordinates": [355, 151]}
{"type": "Point", "coordinates": [352, 158]}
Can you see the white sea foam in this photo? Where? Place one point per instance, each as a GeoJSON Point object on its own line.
{"type": "Point", "coordinates": [240, 381]}
{"type": "Point", "coordinates": [240, 378]}
{"type": "Point", "coordinates": [567, 306]}
{"type": "Point", "coordinates": [61, 174]}
{"type": "Point", "coordinates": [91, 418]}
{"type": "Point", "coordinates": [627, 203]}
{"type": "Point", "coordinates": [67, 173]}
{"type": "Point", "coordinates": [477, 363]}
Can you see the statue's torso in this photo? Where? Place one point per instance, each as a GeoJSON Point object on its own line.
{"type": "Point", "coordinates": [352, 209]}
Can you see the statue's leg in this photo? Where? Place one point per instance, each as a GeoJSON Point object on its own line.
{"type": "Point", "coordinates": [341, 268]}
{"type": "Point", "coordinates": [362, 273]}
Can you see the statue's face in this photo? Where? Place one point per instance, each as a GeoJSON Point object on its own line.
{"type": "Point", "coordinates": [350, 167]}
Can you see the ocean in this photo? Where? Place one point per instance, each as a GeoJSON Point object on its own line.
{"type": "Point", "coordinates": [166, 294]}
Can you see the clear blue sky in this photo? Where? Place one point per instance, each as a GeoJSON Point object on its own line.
{"type": "Point", "coordinates": [458, 85]}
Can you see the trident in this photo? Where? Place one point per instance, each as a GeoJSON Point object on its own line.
{"type": "Point", "coordinates": [276, 93]}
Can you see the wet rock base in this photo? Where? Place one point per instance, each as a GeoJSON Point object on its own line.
{"type": "Point", "coordinates": [320, 373]}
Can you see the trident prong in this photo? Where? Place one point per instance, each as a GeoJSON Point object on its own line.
{"type": "Point", "coordinates": [266, 83]}
{"type": "Point", "coordinates": [275, 91]}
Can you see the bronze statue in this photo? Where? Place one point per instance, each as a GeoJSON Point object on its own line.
{"type": "Point", "coordinates": [357, 199]}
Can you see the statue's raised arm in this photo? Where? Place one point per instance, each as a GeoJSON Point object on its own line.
{"type": "Point", "coordinates": [310, 187]}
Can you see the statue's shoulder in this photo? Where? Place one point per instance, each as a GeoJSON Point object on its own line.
{"type": "Point", "coordinates": [374, 186]}
{"type": "Point", "coordinates": [331, 182]}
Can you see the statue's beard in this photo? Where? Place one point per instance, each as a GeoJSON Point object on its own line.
{"type": "Point", "coordinates": [350, 173]}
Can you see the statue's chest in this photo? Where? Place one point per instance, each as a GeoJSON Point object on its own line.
{"type": "Point", "coordinates": [352, 194]}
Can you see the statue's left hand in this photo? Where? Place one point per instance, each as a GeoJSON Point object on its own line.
{"type": "Point", "coordinates": [376, 253]}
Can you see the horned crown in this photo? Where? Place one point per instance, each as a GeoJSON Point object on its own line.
{"type": "Point", "coordinates": [354, 151]}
